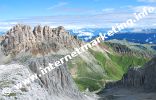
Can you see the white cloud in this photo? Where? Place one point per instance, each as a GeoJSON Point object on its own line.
{"type": "Point", "coordinates": [141, 8]}
{"type": "Point", "coordinates": [4, 26]}
{"type": "Point", "coordinates": [106, 19]}
{"type": "Point", "coordinates": [151, 1]}
{"type": "Point", "coordinates": [7, 23]}
{"type": "Point", "coordinates": [60, 4]}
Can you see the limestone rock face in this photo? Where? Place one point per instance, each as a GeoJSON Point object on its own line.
{"type": "Point", "coordinates": [39, 40]}
{"type": "Point", "coordinates": [142, 78]}
{"type": "Point", "coordinates": [1, 38]}
{"type": "Point", "coordinates": [58, 83]}
{"type": "Point", "coordinates": [150, 75]}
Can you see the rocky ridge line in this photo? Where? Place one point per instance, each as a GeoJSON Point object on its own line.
{"type": "Point", "coordinates": [39, 40]}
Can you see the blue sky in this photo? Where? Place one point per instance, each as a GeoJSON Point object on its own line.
{"type": "Point", "coordinates": [77, 13]}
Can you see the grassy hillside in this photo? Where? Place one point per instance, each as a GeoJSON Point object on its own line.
{"type": "Point", "coordinates": [103, 66]}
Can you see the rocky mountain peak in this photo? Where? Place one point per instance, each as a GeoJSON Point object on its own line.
{"type": "Point", "coordinates": [37, 40]}
{"type": "Point", "coordinates": [57, 83]}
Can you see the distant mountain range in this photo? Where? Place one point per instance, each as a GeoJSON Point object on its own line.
{"type": "Point", "coordinates": [133, 35]}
